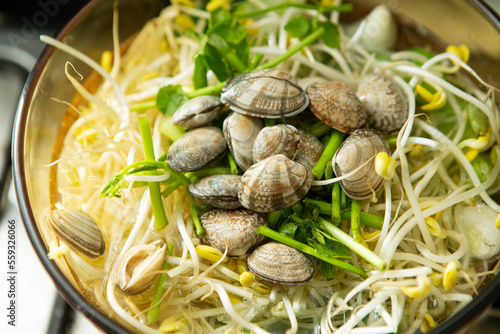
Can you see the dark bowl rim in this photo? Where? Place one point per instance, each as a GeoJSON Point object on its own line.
{"type": "Point", "coordinates": [72, 296]}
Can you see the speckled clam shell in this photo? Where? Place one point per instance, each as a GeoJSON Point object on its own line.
{"type": "Point", "coordinates": [138, 269]}
{"type": "Point", "coordinates": [310, 149]}
{"type": "Point", "coordinates": [197, 149]}
{"type": "Point", "coordinates": [273, 184]}
{"type": "Point", "coordinates": [384, 102]}
{"type": "Point", "coordinates": [335, 104]}
{"type": "Point", "coordinates": [358, 148]}
{"type": "Point", "coordinates": [220, 191]}
{"type": "Point", "coordinates": [268, 93]}
{"type": "Point", "coordinates": [277, 139]}
{"type": "Point", "coordinates": [281, 264]}
{"type": "Point", "coordinates": [198, 111]}
{"type": "Point", "coordinates": [78, 230]}
{"type": "Point", "coordinates": [307, 81]}
{"type": "Point", "coordinates": [240, 132]}
{"type": "Point", "coordinates": [234, 229]}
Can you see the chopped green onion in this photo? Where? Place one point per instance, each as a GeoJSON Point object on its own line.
{"type": "Point", "coordinates": [355, 224]}
{"type": "Point", "coordinates": [334, 143]}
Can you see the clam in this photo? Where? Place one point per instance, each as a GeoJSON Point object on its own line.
{"type": "Point", "coordinates": [240, 132]}
{"type": "Point", "coordinates": [232, 229]}
{"type": "Point", "coordinates": [198, 111]}
{"type": "Point", "coordinates": [279, 263]}
{"type": "Point", "coordinates": [78, 230]}
{"type": "Point", "coordinates": [268, 93]}
{"type": "Point", "coordinates": [278, 139]}
{"type": "Point", "coordinates": [384, 102]}
{"type": "Point", "coordinates": [361, 146]}
{"type": "Point", "coordinates": [307, 81]}
{"type": "Point", "coordinates": [197, 149]}
{"type": "Point", "coordinates": [220, 191]}
{"type": "Point", "coordinates": [335, 104]}
{"type": "Point", "coordinates": [310, 149]}
{"type": "Point", "coordinates": [139, 267]}
{"type": "Point", "coordinates": [273, 184]}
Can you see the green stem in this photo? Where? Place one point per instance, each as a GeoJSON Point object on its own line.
{"type": "Point", "coordinates": [232, 164]}
{"type": "Point", "coordinates": [171, 188]}
{"type": "Point", "coordinates": [308, 250]}
{"type": "Point", "coordinates": [255, 61]}
{"type": "Point", "coordinates": [274, 217]}
{"type": "Point", "coordinates": [194, 216]}
{"type": "Point", "coordinates": [142, 106]}
{"type": "Point", "coordinates": [335, 212]}
{"type": "Point", "coordinates": [235, 62]}
{"type": "Point", "coordinates": [154, 187]}
{"type": "Point", "coordinates": [160, 288]}
{"type": "Point", "coordinates": [333, 144]}
{"type": "Point", "coordinates": [358, 248]}
{"type": "Point", "coordinates": [355, 221]}
{"type": "Point", "coordinates": [365, 218]}
{"type": "Point", "coordinates": [319, 129]}
{"type": "Point", "coordinates": [210, 90]}
{"type": "Point", "coordinates": [340, 8]}
{"type": "Point", "coordinates": [294, 49]}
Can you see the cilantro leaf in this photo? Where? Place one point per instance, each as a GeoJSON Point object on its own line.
{"type": "Point", "coordinates": [331, 37]}
{"type": "Point", "coordinates": [170, 98]}
{"type": "Point", "coordinates": [200, 72]}
{"type": "Point", "coordinates": [328, 270]}
{"type": "Point", "coordinates": [288, 230]}
{"type": "Point", "coordinates": [214, 62]}
{"type": "Point", "coordinates": [298, 27]}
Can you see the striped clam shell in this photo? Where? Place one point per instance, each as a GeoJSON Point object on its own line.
{"type": "Point", "coordinates": [197, 149]}
{"type": "Point", "coordinates": [361, 146]}
{"type": "Point", "coordinates": [220, 191]}
{"type": "Point", "coordinates": [273, 184]}
{"type": "Point", "coordinates": [198, 111]}
{"type": "Point", "coordinates": [278, 263]}
{"type": "Point", "coordinates": [277, 139]}
{"type": "Point", "coordinates": [240, 132]}
{"type": "Point", "coordinates": [268, 93]}
{"type": "Point", "coordinates": [335, 104]}
{"type": "Point", "coordinates": [78, 230]}
{"type": "Point", "coordinates": [232, 229]}
{"type": "Point", "coordinates": [384, 102]}
{"type": "Point", "coordinates": [309, 150]}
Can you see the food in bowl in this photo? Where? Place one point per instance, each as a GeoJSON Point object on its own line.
{"type": "Point", "coordinates": [269, 169]}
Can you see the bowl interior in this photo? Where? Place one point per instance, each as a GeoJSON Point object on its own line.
{"type": "Point", "coordinates": [39, 115]}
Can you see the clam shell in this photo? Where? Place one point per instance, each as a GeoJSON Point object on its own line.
{"type": "Point", "coordinates": [268, 93]}
{"type": "Point", "coordinates": [198, 111]}
{"type": "Point", "coordinates": [359, 147]}
{"type": "Point", "coordinates": [78, 230]}
{"type": "Point", "coordinates": [234, 229]}
{"type": "Point", "coordinates": [240, 132]}
{"type": "Point", "coordinates": [273, 184]}
{"type": "Point", "coordinates": [278, 139]}
{"type": "Point", "coordinates": [335, 104]}
{"type": "Point", "coordinates": [139, 267]}
{"type": "Point", "coordinates": [384, 102]}
{"type": "Point", "coordinates": [220, 191]}
{"type": "Point", "coordinates": [279, 263]}
{"type": "Point", "coordinates": [309, 150]}
{"type": "Point", "coordinates": [197, 149]}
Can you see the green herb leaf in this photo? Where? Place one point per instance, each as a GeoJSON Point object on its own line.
{"type": "Point", "coordinates": [298, 27]}
{"type": "Point", "coordinates": [216, 63]}
{"type": "Point", "coordinates": [243, 51]}
{"type": "Point", "coordinates": [170, 98]}
{"type": "Point", "coordinates": [200, 72]}
{"type": "Point", "coordinates": [288, 230]}
{"type": "Point", "coordinates": [331, 37]}
{"type": "Point", "coordinates": [328, 270]}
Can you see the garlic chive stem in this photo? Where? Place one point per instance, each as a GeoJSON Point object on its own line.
{"type": "Point", "coordinates": [365, 218]}
{"type": "Point", "coordinates": [154, 187]}
{"type": "Point", "coordinates": [160, 288]}
{"type": "Point", "coordinates": [334, 143]}
{"type": "Point", "coordinates": [308, 250]}
{"type": "Point", "coordinates": [358, 248]}
{"type": "Point", "coordinates": [335, 212]}
{"type": "Point", "coordinates": [355, 221]}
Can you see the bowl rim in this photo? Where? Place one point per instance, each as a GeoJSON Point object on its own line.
{"type": "Point", "coordinates": [72, 296]}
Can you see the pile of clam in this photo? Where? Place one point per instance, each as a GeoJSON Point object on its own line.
{"type": "Point", "coordinates": [277, 160]}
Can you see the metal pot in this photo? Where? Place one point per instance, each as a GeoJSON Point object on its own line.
{"type": "Point", "coordinates": [39, 118]}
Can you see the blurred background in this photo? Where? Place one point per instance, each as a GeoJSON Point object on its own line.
{"type": "Point", "coordinates": [40, 309]}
